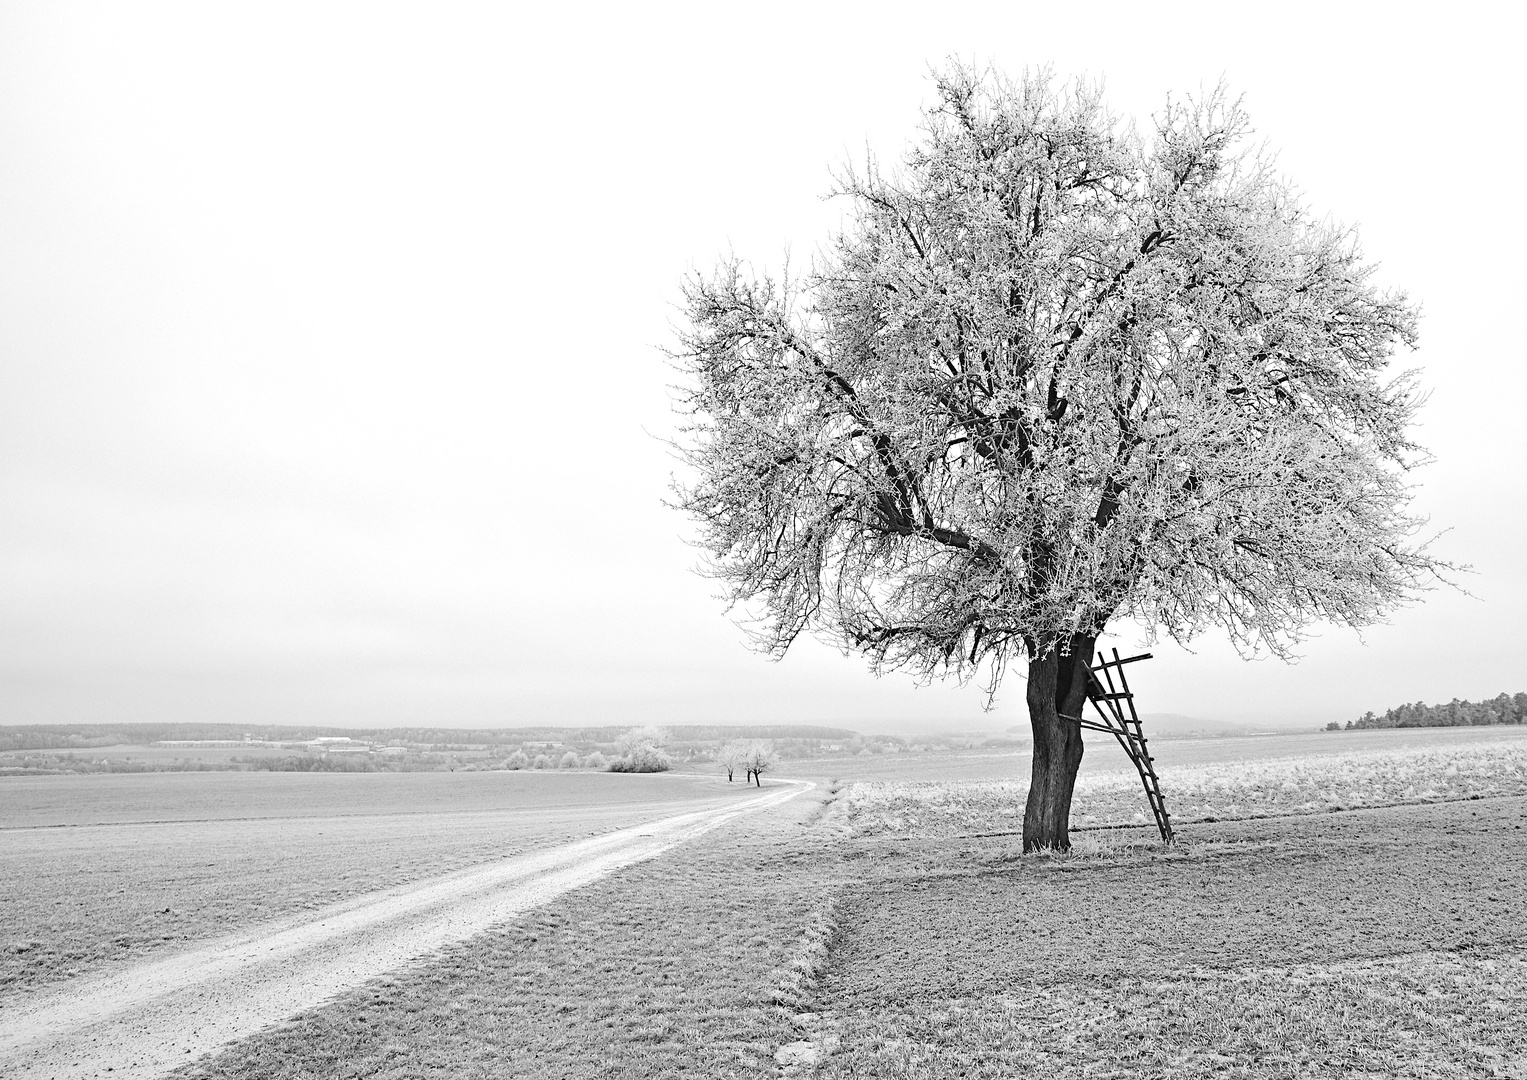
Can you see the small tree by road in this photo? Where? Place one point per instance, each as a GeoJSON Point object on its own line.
{"type": "Point", "coordinates": [730, 757]}
{"type": "Point", "coordinates": [758, 758]}
{"type": "Point", "coordinates": [1052, 375]}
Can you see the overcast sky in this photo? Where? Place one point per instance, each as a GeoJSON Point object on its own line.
{"type": "Point", "coordinates": [330, 369]}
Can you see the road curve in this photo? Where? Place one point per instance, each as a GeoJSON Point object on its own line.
{"type": "Point", "coordinates": [147, 1019]}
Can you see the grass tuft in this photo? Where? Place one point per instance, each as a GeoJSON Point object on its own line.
{"type": "Point", "coordinates": [795, 982]}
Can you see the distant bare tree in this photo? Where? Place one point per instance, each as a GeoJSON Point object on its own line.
{"type": "Point", "coordinates": [730, 757]}
{"type": "Point", "coordinates": [1051, 375]}
{"type": "Point", "coordinates": [758, 758]}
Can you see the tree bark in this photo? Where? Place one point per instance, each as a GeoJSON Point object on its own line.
{"type": "Point", "coordinates": [1057, 688]}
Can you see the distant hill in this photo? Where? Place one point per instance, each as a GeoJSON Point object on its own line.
{"type": "Point", "coordinates": [86, 736]}
{"type": "Point", "coordinates": [1168, 725]}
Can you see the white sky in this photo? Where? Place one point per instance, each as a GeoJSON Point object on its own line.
{"type": "Point", "coordinates": [329, 340]}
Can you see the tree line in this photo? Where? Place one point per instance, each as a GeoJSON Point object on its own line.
{"type": "Point", "coordinates": [1501, 709]}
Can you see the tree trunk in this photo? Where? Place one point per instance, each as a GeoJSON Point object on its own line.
{"type": "Point", "coordinates": [1057, 688]}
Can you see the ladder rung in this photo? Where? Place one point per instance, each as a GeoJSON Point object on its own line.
{"type": "Point", "coordinates": [1120, 663]}
{"type": "Point", "coordinates": [1112, 697]}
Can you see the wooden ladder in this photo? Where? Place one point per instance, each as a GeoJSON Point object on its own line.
{"type": "Point", "coordinates": [1111, 700]}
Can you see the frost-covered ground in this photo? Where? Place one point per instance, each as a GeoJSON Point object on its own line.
{"type": "Point", "coordinates": [109, 869]}
{"type": "Point", "coordinates": [1378, 942]}
{"type": "Point", "coordinates": [1311, 784]}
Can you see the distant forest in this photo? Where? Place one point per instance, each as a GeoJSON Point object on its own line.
{"type": "Point", "coordinates": [1501, 709]}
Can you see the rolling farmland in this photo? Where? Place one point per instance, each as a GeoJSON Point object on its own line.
{"type": "Point", "coordinates": [883, 925]}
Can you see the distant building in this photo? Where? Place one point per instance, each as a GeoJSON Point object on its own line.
{"type": "Point", "coordinates": [338, 744]}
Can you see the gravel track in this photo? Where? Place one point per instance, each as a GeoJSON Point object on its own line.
{"type": "Point", "coordinates": [153, 1017]}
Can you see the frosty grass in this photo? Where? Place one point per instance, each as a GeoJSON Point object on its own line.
{"type": "Point", "coordinates": [1233, 790]}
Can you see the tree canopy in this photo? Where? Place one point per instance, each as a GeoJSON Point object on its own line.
{"type": "Point", "coordinates": [1050, 374]}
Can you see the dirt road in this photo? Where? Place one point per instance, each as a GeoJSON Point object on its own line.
{"type": "Point", "coordinates": [150, 1018]}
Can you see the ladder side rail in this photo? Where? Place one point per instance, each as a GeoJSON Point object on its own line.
{"type": "Point", "coordinates": [1134, 717]}
{"type": "Point", "coordinates": [1112, 721]}
{"type": "Point", "coordinates": [1110, 693]}
{"type": "Point", "coordinates": [1135, 747]}
{"type": "Point", "coordinates": [1128, 697]}
{"type": "Point", "coordinates": [1157, 803]}
{"type": "Point", "coordinates": [1137, 756]}
{"type": "Point", "coordinates": [1104, 666]}
{"type": "Point", "coordinates": [1144, 764]}
{"type": "Point", "coordinates": [1097, 692]}
{"type": "Point", "coordinates": [1126, 738]}
{"type": "Point", "coordinates": [1163, 825]}
{"type": "Point", "coordinates": [1119, 692]}
{"type": "Point", "coordinates": [1114, 728]}
{"type": "Point", "coordinates": [1121, 736]}
{"type": "Point", "coordinates": [1123, 679]}
{"type": "Point", "coordinates": [1154, 800]}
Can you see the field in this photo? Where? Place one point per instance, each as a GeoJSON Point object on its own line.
{"type": "Point", "coordinates": [1274, 786]}
{"type": "Point", "coordinates": [158, 757]}
{"type": "Point", "coordinates": [1380, 942]}
{"type": "Point", "coordinates": [838, 937]}
{"type": "Point", "coordinates": [109, 868]}
{"type": "Point", "coordinates": [690, 966]}
{"type": "Point", "coordinates": [1104, 756]}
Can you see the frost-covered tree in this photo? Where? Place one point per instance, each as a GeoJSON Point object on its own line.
{"type": "Point", "coordinates": [1052, 374]}
{"type": "Point", "coordinates": [731, 756]}
{"type": "Point", "coordinates": [758, 757]}
{"type": "Point", "coordinates": [641, 750]}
